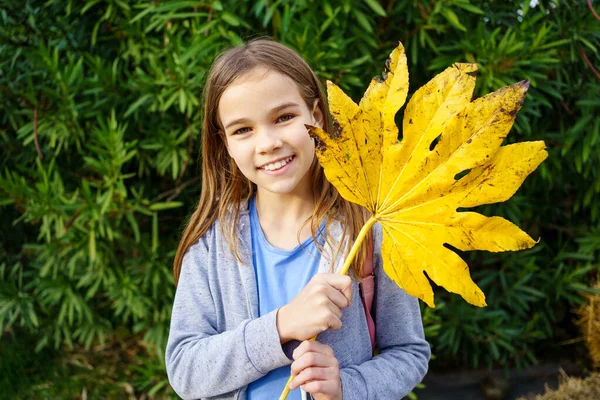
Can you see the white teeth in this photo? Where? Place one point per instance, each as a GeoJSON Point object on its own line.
{"type": "Point", "coordinates": [276, 165]}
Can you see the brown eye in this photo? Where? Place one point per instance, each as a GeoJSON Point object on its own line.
{"type": "Point", "coordinates": [241, 131]}
{"type": "Point", "coordinates": [285, 118]}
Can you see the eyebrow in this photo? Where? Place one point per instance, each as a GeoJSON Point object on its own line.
{"type": "Point", "coordinates": [273, 111]}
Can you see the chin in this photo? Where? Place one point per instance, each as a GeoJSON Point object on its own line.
{"type": "Point", "coordinates": [279, 189]}
{"type": "Point", "coordinates": [288, 186]}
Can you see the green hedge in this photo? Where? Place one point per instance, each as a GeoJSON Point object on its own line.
{"type": "Point", "coordinates": [99, 134]}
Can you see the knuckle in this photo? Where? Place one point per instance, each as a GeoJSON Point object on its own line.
{"type": "Point", "coordinates": [318, 290]}
{"type": "Point", "coordinates": [334, 322]}
{"type": "Point", "coordinates": [322, 300]}
{"type": "Point", "coordinates": [295, 368]}
{"type": "Point", "coordinates": [311, 374]}
{"type": "Point", "coordinates": [308, 346]}
{"type": "Point", "coordinates": [299, 350]}
{"type": "Point", "coordinates": [318, 386]}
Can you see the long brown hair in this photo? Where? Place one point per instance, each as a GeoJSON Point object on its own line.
{"type": "Point", "coordinates": [225, 188]}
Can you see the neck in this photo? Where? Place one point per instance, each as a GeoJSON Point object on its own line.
{"type": "Point", "coordinates": [284, 209]}
{"type": "Point", "coordinates": [281, 218]}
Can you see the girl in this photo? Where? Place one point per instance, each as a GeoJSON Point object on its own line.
{"type": "Point", "coordinates": [254, 267]}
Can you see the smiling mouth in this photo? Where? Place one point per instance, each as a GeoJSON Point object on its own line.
{"type": "Point", "coordinates": [277, 165]}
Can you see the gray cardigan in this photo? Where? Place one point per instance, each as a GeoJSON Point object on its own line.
{"type": "Point", "coordinates": [218, 344]}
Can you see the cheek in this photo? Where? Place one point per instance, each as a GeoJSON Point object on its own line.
{"type": "Point", "coordinates": [309, 144]}
{"type": "Point", "coordinates": [302, 138]}
{"type": "Point", "coordinates": [236, 155]}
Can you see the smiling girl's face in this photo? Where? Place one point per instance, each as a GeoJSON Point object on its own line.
{"type": "Point", "coordinates": [263, 116]}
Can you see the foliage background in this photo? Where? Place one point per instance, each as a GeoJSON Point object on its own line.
{"type": "Point", "coordinates": [99, 133]}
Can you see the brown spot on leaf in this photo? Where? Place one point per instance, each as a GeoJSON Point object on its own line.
{"type": "Point", "coordinates": [319, 144]}
{"type": "Point", "coordinates": [410, 121]}
{"type": "Point", "coordinates": [337, 129]}
{"type": "Point", "coordinates": [469, 141]}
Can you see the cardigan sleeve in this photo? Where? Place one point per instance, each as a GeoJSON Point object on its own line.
{"type": "Point", "coordinates": [404, 352]}
{"type": "Point", "coordinates": [202, 362]}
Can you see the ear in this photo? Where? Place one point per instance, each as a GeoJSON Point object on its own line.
{"type": "Point", "coordinates": [317, 115]}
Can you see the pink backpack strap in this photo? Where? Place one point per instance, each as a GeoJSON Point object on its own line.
{"type": "Point", "coordinates": [367, 290]}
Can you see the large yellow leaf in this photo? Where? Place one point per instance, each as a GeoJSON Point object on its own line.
{"type": "Point", "coordinates": [411, 186]}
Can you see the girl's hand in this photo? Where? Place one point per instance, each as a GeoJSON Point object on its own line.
{"type": "Point", "coordinates": [317, 371]}
{"type": "Point", "coordinates": [316, 308]}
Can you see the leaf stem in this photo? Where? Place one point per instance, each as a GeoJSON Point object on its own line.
{"type": "Point", "coordinates": [359, 239]}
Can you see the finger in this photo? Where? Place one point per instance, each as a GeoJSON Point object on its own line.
{"type": "Point", "coordinates": [312, 360]}
{"type": "Point", "coordinates": [338, 281]}
{"type": "Point", "coordinates": [347, 292]}
{"type": "Point", "coordinates": [334, 310]}
{"type": "Point", "coordinates": [312, 374]}
{"type": "Point", "coordinates": [328, 387]}
{"type": "Point", "coordinates": [312, 346]}
{"type": "Point", "coordinates": [337, 297]}
{"type": "Point", "coordinates": [342, 283]}
{"type": "Point", "coordinates": [333, 321]}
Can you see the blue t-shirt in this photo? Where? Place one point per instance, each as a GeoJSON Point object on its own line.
{"type": "Point", "coordinates": [280, 276]}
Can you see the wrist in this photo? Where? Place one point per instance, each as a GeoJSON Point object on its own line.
{"type": "Point", "coordinates": [281, 323]}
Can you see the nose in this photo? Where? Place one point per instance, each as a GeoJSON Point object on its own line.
{"type": "Point", "coordinates": [268, 140]}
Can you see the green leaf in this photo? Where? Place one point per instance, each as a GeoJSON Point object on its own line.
{"type": "Point", "coordinates": [362, 20]}
{"type": "Point", "coordinates": [92, 245]}
{"type": "Point", "coordinates": [134, 226]}
{"type": "Point", "coordinates": [452, 19]}
{"type": "Point", "coordinates": [165, 206]}
{"type": "Point", "coordinates": [217, 6]}
{"type": "Point", "coordinates": [137, 104]}
{"type": "Point", "coordinates": [230, 19]}
{"type": "Point", "coordinates": [555, 43]}
{"type": "Point", "coordinates": [154, 232]}
{"type": "Point", "coordinates": [375, 6]}
{"type": "Point", "coordinates": [470, 7]}
{"type": "Point", "coordinates": [588, 44]}
{"type": "Point", "coordinates": [7, 201]}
